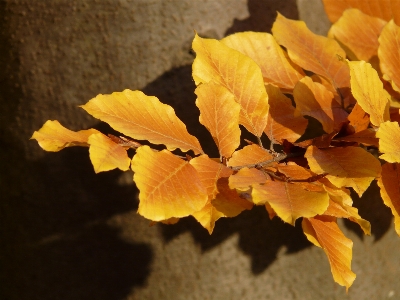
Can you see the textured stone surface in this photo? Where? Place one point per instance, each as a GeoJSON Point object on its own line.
{"type": "Point", "coordinates": [70, 234]}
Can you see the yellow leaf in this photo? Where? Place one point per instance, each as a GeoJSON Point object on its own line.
{"type": "Point", "coordinates": [361, 36]}
{"type": "Point", "coordinates": [389, 141]}
{"type": "Point", "coordinates": [251, 154]}
{"type": "Point", "coordinates": [339, 195]}
{"type": "Point", "coordinates": [239, 74]}
{"type": "Point", "coordinates": [291, 201]}
{"type": "Point", "coordinates": [220, 114]}
{"type": "Point", "coordinates": [293, 171]}
{"type": "Point", "coordinates": [275, 65]}
{"type": "Point", "coordinates": [389, 182]}
{"type": "Point", "coordinates": [389, 54]}
{"type": "Point", "coordinates": [284, 120]}
{"type": "Point", "coordinates": [312, 52]}
{"type": "Point", "coordinates": [324, 232]}
{"type": "Point", "coordinates": [55, 137]}
{"type": "Point", "coordinates": [246, 177]}
{"type": "Point", "coordinates": [350, 166]}
{"type": "Point", "coordinates": [169, 186]}
{"type": "Point", "coordinates": [107, 155]}
{"type": "Point", "coordinates": [368, 90]}
{"type": "Point", "coordinates": [313, 99]}
{"type": "Point", "coordinates": [143, 117]}
{"type": "Point", "coordinates": [366, 137]}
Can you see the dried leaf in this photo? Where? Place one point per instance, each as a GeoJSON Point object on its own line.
{"type": "Point", "coordinates": [144, 118]}
{"type": "Point", "coordinates": [219, 113]}
{"type": "Point", "coordinates": [239, 74]}
{"type": "Point", "coordinates": [350, 166]}
{"type": "Point", "coordinates": [169, 186]}
{"type": "Point", "coordinates": [389, 141]}
{"type": "Point", "coordinates": [324, 232]}
{"type": "Point", "coordinates": [251, 154]}
{"type": "Point", "coordinates": [275, 65]}
{"type": "Point", "coordinates": [55, 137]}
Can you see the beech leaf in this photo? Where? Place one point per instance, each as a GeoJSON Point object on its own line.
{"type": "Point", "coordinates": [169, 186]}
{"type": "Point", "coordinates": [389, 141]}
{"type": "Point", "coordinates": [219, 113]}
{"type": "Point", "coordinates": [349, 166]}
{"type": "Point", "coordinates": [143, 117]}
{"type": "Point", "coordinates": [324, 232]}
{"type": "Point", "coordinates": [55, 137]}
{"type": "Point", "coordinates": [366, 137]}
{"type": "Point", "coordinates": [275, 64]}
{"type": "Point", "coordinates": [251, 154]}
{"type": "Point", "coordinates": [246, 177]}
{"type": "Point", "coordinates": [358, 118]}
{"type": "Point", "coordinates": [239, 74]}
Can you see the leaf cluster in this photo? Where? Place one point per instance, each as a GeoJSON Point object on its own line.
{"type": "Point", "coordinates": [267, 84]}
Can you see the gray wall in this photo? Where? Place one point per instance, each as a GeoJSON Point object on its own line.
{"type": "Point", "coordinates": [67, 233]}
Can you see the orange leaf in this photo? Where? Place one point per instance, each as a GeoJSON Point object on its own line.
{"type": "Point", "coordinates": [339, 195]}
{"type": "Point", "coordinates": [361, 36]}
{"type": "Point", "coordinates": [368, 90]}
{"type": "Point", "coordinates": [359, 119]}
{"type": "Point", "coordinates": [350, 166]}
{"type": "Point", "coordinates": [389, 141]}
{"type": "Point", "coordinates": [220, 114]}
{"type": "Point", "coordinates": [324, 232]}
{"type": "Point", "coordinates": [294, 171]}
{"type": "Point", "coordinates": [284, 120]}
{"type": "Point", "coordinates": [275, 65]}
{"type": "Point", "coordinates": [245, 177]}
{"type": "Point", "coordinates": [312, 52]}
{"type": "Point", "coordinates": [143, 117]}
{"type": "Point", "coordinates": [313, 99]}
{"type": "Point", "coordinates": [366, 137]}
{"type": "Point", "coordinates": [55, 137]}
{"type": "Point", "coordinates": [239, 74]}
{"type": "Point", "coordinates": [251, 154]}
{"type": "Point", "coordinates": [389, 182]}
{"type": "Point", "coordinates": [291, 201]}
{"type": "Point", "coordinates": [169, 186]}
{"type": "Point", "coordinates": [384, 9]}
{"type": "Point", "coordinates": [389, 54]}
{"type": "Point", "coordinates": [107, 155]}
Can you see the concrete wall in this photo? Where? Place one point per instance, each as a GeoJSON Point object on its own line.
{"type": "Point", "coordinates": [67, 233]}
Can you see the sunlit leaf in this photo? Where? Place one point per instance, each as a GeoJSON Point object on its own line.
{"type": "Point", "coordinates": [389, 141]}
{"type": "Point", "coordinates": [389, 182]}
{"type": "Point", "coordinates": [358, 118]}
{"type": "Point", "coordinates": [324, 232]}
{"type": "Point", "coordinates": [239, 74]}
{"type": "Point", "coordinates": [220, 114]}
{"type": "Point", "coordinates": [294, 171]}
{"type": "Point", "coordinates": [349, 166]}
{"type": "Point", "coordinates": [55, 137]}
{"type": "Point", "coordinates": [284, 120]}
{"type": "Point", "coordinates": [143, 117]}
{"type": "Point", "coordinates": [339, 195]}
{"type": "Point", "coordinates": [367, 88]}
{"type": "Point", "coordinates": [275, 65]}
{"type": "Point", "coordinates": [313, 99]}
{"type": "Point", "coordinates": [291, 201]}
{"type": "Point", "coordinates": [312, 52]}
{"type": "Point", "coordinates": [360, 36]}
{"type": "Point", "coordinates": [245, 177]}
{"type": "Point", "coordinates": [251, 154]}
{"type": "Point", "coordinates": [169, 186]}
{"type": "Point", "coordinates": [366, 137]}
{"type": "Point", "coordinates": [106, 155]}
{"type": "Point", "coordinates": [389, 54]}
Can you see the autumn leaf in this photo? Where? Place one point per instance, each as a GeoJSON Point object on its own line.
{"type": "Point", "coordinates": [314, 100]}
{"type": "Point", "coordinates": [324, 232]}
{"type": "Point", "coordinates": [389, 141]}
{"type": "Point", "coordinates": [366, 137]}
{"type": "Point", "coordinates": [55, 137]}
{"type": "Point", "coordinates": [291, 201]}
{"type": "Point", "coordinates": [275, 65]}
{"type": "Point", "coordinates": [349, 166]}
{"type": "Point", "coordinates": [389, 54]}
{"type": "Point", "coordinates": [169, 186]}
{"type": "Point", "coordinates": [361, 36]}
{"type": "Point", "coordinates": [106, 155]}
{"type": "Point", "coordinates": [219, 113]}
{"type": "Point", "coordinates": [143, 117]}
{"type": "Point", "coordinates": [284, 120]}
{"type": "Point", "coordinates": [358, 118]}
{"type": "Point", "coordinates": [367, 88]}
{"type": "Point", "coordinates": [251, 154]}
{"type": "Point", "coordinates": [312, 52]}
{"type": "Point", "coordinates": [239, 74]}
{"type": "Point", "coordinates": [389, 182]}
{"type": "Point", "coordinates": [246, 177]}
{"type": "Point", "coordinates": [339, 195]}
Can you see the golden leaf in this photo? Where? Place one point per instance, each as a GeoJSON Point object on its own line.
{"type": "Point", "coordinates": [275, 65]}
{"type": "Point", "coordinates": [389, 141]}
{"type": "Point", "coordinates": [169, 186]}
{"type": "Point", "coordinates": [219, 113]}
{"type": "Point", "coordinates": [55, 137]}
{"type": "Point", "coordinates": [239, 74]}
{"type": "Point", "coordinates": [143, 117]}
{"type": "Point", "coordinates": [359, 119]}
{"type": "Point", "coordinates": [366, 137]}
{"type": "Point", "coordinates": [246, 177]}
{"type": "Point", "coordinates": [251, 154]}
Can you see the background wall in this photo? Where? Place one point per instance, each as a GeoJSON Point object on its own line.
{"type": "Point", "coordinates": [67, 233]}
